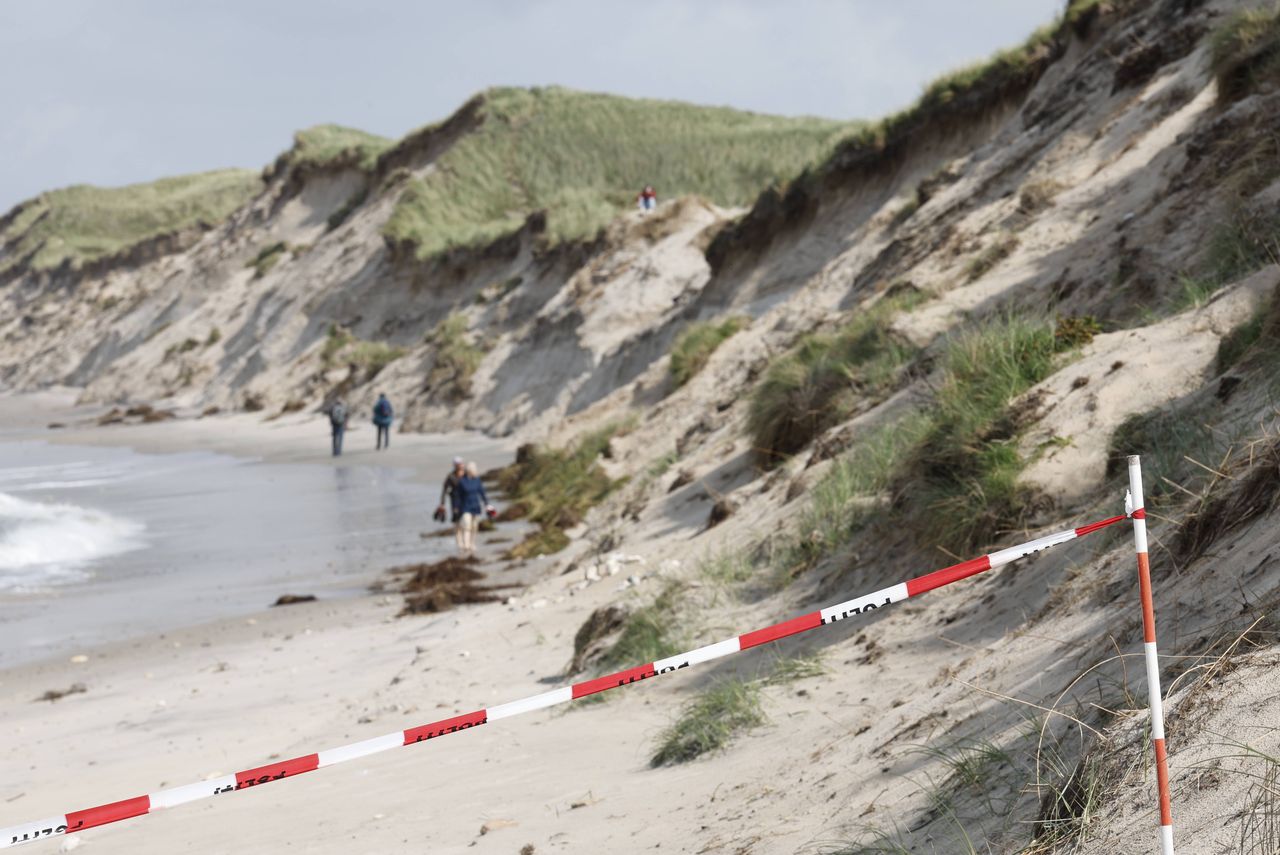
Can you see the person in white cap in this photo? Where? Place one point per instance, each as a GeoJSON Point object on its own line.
{"type": "Point", "coordinates": [450, 491]}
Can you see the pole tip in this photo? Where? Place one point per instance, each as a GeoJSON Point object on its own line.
{"type": "Point", "coordinates": [1134, 458]}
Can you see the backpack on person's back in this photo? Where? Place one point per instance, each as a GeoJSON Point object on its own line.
{"type": "Point", "coordinates": [338, 415]}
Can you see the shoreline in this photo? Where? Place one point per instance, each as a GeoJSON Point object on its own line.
{"type": "Point", "coordinates": [265, 462]}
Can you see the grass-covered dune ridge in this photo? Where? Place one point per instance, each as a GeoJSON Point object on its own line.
{"type": "Point", "coordinates": [82, 223]}
{"type": "Point", "coordinates": [325, 145]}
{"type": "Point", "coordinates": [583, 157]}
{"type": "Point", "coordinates": [962, 98]}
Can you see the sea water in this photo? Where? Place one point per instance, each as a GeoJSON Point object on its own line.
{"type": "Point", "coordinates": [43, 544]}
{"type": "Point", "coordinates": [99, 544]}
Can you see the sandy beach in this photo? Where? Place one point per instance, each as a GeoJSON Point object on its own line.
{"type": "Point", "coordinates": [202, 699]}
{"type": "Point", "coordinates": [913, 481]}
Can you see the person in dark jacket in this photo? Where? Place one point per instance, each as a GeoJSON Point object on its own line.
{"type": "Point", "coordinates": [470, 497]}
{"type": "Point", "coordinates": [382, 417]}
{"type": "Point", "coordinates": [449, 492]}
{"type": "Point", "coordinates": [338, 424]}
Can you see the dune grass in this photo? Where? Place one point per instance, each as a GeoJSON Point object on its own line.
{"type": "Point", "coordinates": [849, 494]}
{"type": "Point", "coordinates": [457, 356]}
{"type": "Point", "coordinates": [1245, 52]}
{"type": "Point", "coordinates": [373, 356]}
{"type": "Point", "coordinates": [267, 258]}
{"type": "Point", "coordinates": [1254, 344]}
{"type": "Point", "coordinates": [695, 345]}
{"type": "Point", "coordinates": [963, 473]}
{"type": "Point", "coordinates": [963, 96]}
{"type": "Point", "coordinates": [951, 468]}
{"type": "Point", "coordinates": [815, 385]}
{"type": "Point", "coordinates": [340, 346]}
{"type": "Point", "coordinates": [82, 223]}
{"type": "Point", "coordinates": [727, 708]}
{"type": "Point", "coordinates": [555, 487]}
{"type": "Point", "coordinates": [1165, 438]}
{"type": "Point", "coordinates": [1243, 242]}
{"type": "Point", "coordinates": [710, 722]}
{"type": "Point", "coordinates": [647, 635]}
{"type": "Point", "coordinates": [325, 145]}
{"type": "Point", "coordinates": [992, 254]}
{"type": "Point", "coordinates": [583, 157]}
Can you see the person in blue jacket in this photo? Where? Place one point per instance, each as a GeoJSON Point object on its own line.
{"type": "Point", "coordinates": [472, 501]}
{"type": "Point", "coordinates": [382, 417]}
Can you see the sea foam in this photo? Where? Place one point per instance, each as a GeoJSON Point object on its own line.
{"type": "Point", "coordinates": [51, 544]}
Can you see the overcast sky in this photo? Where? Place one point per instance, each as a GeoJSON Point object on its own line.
{"type": "Point", "coordinates": [129, 90]}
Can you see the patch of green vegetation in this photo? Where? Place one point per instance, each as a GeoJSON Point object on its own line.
{"type": "Point", "coordinates": [555, 487]}
{"type": "Point", "coordinates": [815, 385]}
{"type": "Point", "coordinates": [695, 345]}
{"type": "Point", "coordinates": [963, 473]}
{"type": "Point", "coordinates": [646, 636]}
{"type": "Point", "coordinates": [1004, 65]}
{"type": "Point", "coordinates": [660, 466]}
{"type": "Point", "coordinates": [954, 465]}
{"type": "Point", "coordinates": [1165, 438]}
{"type": "Point", "coordinates": [961, 96]}
{"type": "Point", "coordinates": [339, 216]}
{"type": "Point", "coordinates": [325, 145]}
{"type": "Point", "coordinates": [710, 722]}
{"type": "Point", "coordinates": [1245, 52]}
{"type": "Point", "coordinates": [789, 669]}
{"type": "Point", "coordinates": [728, 567]}
{"type": "Point", "coordinates": [215, 336]}
{"type": "Point", "coordinates": [582, 157]}
{"type": "Point", "coordinates": [1246, 242]}
{"type": "Point", "coordinates": [1242, 339]}
{"type": "Point", "coordinates": [373, 356]}
{"type": "Point", "coordinates": [457, 358]}
{"type": "Point", "coordinates": [908, 209]}
{"type": "Point", "coordinates": [497, 292]}
{"type": "Point", "coordinates": [1078, 9]}
{"type": "Point", "coordinates": [1074, 331]}
{"type": "Point", "coordinates": [336, 339]}
{"type": "Point", "coordinates": [970, 764]}
{"type": "Point", "coordinates": [369, 356]}
{"type": "Point", "coordinates": [83, 223]}
{"type": "Point", "coordinates": [991, 255]}
{"type": "Point", "coordinates": [848, 495]}
{"type": "Point", "coordinates": [1192, 293]}
{"type": "Point", "coordinates": [1038, 195]}
{"type": "Point", "coordinates": [1243, 243]}
{"type": "Point", "coordinates": [267, 258]}
{"type": "Point", "coordinates": [186, 346]}
{"type": "Point", "coordinates": [1074, 796]}
{"type": "Point", "coordinates": [875, 841]}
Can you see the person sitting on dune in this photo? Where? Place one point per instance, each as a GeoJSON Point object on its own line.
{"type": "Point", "coordinates": [648, 199]}
{"type": "Point", "coordinates": [473, 502]}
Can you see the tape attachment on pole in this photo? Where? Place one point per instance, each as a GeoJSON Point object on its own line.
{"type": "Point", "coordinates": [861, 605]}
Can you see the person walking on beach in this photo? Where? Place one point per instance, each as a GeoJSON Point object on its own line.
{"type": "Point", "coordinates": [338, 424]}
{"type": "Point", "coordinates": [473, 502]}
{"type": "Point", "coordinates": [382, 416]}
{"type": "Point", "coordinates": [450, 491]}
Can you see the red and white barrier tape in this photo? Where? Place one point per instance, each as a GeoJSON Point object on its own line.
{"type": "Point", "coordinates": [116, 811]}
